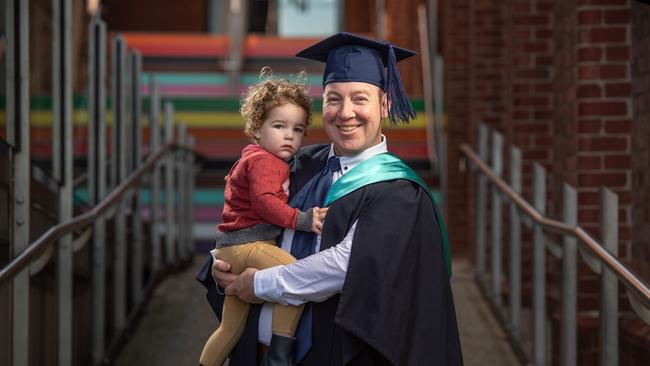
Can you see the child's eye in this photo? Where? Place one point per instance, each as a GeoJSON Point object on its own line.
{"type": "Point", "coordinates": [279, 126]}
{"type": "Point", "coordinates": [299, 130]}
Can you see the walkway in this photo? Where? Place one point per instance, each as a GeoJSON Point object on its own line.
{"type": "Point", "coordinates": [178, 320]}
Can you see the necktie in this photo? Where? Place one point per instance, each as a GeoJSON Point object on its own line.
{"type": "Point", "coordinates": [304, 243]}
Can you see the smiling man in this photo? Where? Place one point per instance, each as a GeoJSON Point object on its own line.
{"type": "Point", "coordinates": [376, 283]}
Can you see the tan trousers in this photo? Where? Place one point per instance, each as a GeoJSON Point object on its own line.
{"type": "Point", "coordinates": [258, 254]}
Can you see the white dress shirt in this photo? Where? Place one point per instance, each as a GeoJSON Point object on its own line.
{"type": "Point", "coordinates": [317, 277]}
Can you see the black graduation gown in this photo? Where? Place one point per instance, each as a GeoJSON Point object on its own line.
{"type": "Point", "coordinates": [396, 306]}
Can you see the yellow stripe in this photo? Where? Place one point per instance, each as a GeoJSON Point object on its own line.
{"type": "Point", "coordinates": [191, 119]}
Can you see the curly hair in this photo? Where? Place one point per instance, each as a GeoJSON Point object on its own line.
{"type": "Point", "coordinates": [259, 99]}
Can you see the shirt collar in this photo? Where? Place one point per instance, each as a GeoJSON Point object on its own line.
{"type": "Point", "coordinates": [349, 162]}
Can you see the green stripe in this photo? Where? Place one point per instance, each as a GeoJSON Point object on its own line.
{"type": "Point", "coordinates": [180, 104]}
{"type": "Point", "coordinates": [187, 78]}
{"type": "Point", "coordinates": [201, 197]}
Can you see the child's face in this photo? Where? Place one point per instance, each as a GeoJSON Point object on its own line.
{"type": "Point", "coordinates": [283, 130]}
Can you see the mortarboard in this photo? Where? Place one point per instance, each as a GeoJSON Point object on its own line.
{"type": "Point", "coordinates": [349, 57]}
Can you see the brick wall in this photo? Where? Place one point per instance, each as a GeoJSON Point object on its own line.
{"type": "Point", "coordinates": [640, 131]}
{"type": "Point", "coordinates": [556, 77]}
{"type": "Point", "coordinates": [455, 45]}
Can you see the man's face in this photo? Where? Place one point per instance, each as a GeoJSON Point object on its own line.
{"type": "Point", "coordinates": [352, 113]}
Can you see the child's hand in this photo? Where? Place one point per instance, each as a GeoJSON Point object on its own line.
{"type": "Point", "coordinates": [318, 215]}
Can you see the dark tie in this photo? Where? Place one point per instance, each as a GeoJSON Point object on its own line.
{"type": "Point", "coordinates": [304, 243]}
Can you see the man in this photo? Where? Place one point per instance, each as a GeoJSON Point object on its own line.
{"type": "Point", "coordinates": [378, 283]}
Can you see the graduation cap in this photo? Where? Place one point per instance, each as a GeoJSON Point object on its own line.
{"type": "Point", "coordinates": [349, 57]}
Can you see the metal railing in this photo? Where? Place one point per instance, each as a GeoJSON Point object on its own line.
{"type": "Point", "coordinates": [601, 257]}
{"type": "Point", "coordinates": [77, 253]}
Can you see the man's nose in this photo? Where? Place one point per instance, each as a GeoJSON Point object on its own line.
{"type": "Point", "coordinates": [347, 109]}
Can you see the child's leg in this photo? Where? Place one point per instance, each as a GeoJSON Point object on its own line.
{"type": "Point", "coordinates": [235, 312]}
{"type": "Point", "coordinates": [266, 255]}
{"type": "Point", "coordinates": [222, 341]}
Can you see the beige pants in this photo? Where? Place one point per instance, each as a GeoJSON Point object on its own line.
{"type": "Point", "coordinates": [258, 254]}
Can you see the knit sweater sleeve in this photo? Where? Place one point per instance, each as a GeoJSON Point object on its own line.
{"type": "Point", "coordinates": [266, 174]}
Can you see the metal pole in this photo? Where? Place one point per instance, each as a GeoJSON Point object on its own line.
{"type": "Point", "coordinates": [136, 159]}
{"type": "Point", "coordinates": [97, 174]}
{"type": "Point", "coordinates": [497, 167]}
{"type": "Point", "coordinates": [154, 205]}
{"type": "Point", "coordinates": [181, 193]}
{"type": "Point", "coordinates": [190, 202]}
{"type": "Point", "coordinates": [568, 320]}
{"type": "Point", "coordinates": [169, 185]}
{"type": "Point", "coordinates": [63, 141]}
{"type": "Point", "coordinates": [480, 203]}
{"type": "Point", "coordinates": [118, 169]}
{"type": "Point", "coordinates": [515, 245]}
{"type": "Point", "coordinates": [539, 268]}
{"type": "Point", "coordinates": [18, 136]}
{"type": "Point", "coordinates": [609, 282]}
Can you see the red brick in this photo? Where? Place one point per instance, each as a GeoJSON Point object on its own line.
{"type": "Point", "coordinates": [542, 115]}
{"type": "Point", "coordinates": [617, 53]}
{"type": "Point", "coordinates": [535, 47]}
{"type": "Point", "coordinates": [544, 7]}
{"type": "Point", "coordinates": [531, 20]}
{"type": "Point", "coordinates": [590, 17]}
{"type": "Point", "coordinates": [618, 162]}
{"type": "Point", "coordinates": [603, 35]}
{"type": "Point", "coordinates": [618, 126]}
{"type": "Point", "coordinates": [543, 61]}
{"type": "Point", "coordinates": [602, 2]}
{"type": "Point", "coordinates": [543, 88]}
{"type": "Point", "coordinates": [590, 54]}
{"type": "Point", "coordinates": [588, 198]}
{"type": "Point", "coordinates": [603, 144]}
{"type": "Point", "coordinates": [602, 180]}
{"type": "Point", "coordinates": [531, 101]}
{"type": "Point", "coordinates": [592, 72]}
{"type": "Point", "coordinates": [614, 16]}
{"type": "Point", "coordinates": [543, 34]}
{"type": "Point", "coordinates": [537, 155]}
{"type": "Point", "coordinates": [520, 88]}
{"type": "Point", "coordinates": [521, 34]}
{"type": "Point", "coordinates": [590, 126]}
{"type": "Point", "coordinates": [589, 91]}
{"type": "Point", "coordinates": [618, 90]}
{"type": "Point", "coordinates": [532, 74]}
{"type": "Point", "coordinates": [588, 215]}
{"type": "Point", "coordinates": [602, 108]}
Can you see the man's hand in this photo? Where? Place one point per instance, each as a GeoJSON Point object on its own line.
{"type": "Point", "coordinates": [221, 273]}
{"type": "Point", "coordinates": [242, 287]}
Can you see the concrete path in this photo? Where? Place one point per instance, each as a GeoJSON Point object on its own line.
{"type": "Point", "coordinates": [178, 320]}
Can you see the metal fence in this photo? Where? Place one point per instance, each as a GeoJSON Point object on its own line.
{"type": "Point", "coordinates": [601, 256]}
{"type": "Point", "coordinates": [44, 296]}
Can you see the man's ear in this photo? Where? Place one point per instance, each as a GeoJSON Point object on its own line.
{"type": "Point", "coordinates": [385, 105]}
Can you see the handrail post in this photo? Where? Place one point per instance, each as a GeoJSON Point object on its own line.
{"type": "Point", "coordinates": [63, 161]}
{"type": "Point", "coordinates": [495, 225]}
{"type": "Point", "coordinates": [609, 282]}
{"type": "Point", "coordinates": [481, 182]}
{"type": "Point", "coordinates": [181, 192]}
{"type": "Point", "coordinates": [97, 174]}
{"type": "Point", "coordinates": [136, 160]}
{"type": "Point", "coordinates": [568, 319]}
{"type": "Point", "coordinates": [539, 269]}
{"type": "Point", "coordinates": [515, 245]}
{"type": "Point", "coordinates": [169, 186]}
{"type": "Point", "coordinates": [154, 197]}
{"type": "Point", "coordinates": [118, 172]}
{"type": "Point", "coordinates": [18, 135]}
{"type": "Point", "coordinates": [190, 202]}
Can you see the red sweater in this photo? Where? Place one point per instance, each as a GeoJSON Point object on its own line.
{"type": "Point", "coordinates": [254, 192]}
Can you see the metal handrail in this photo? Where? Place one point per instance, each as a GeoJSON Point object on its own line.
{"type": "Point", "coordinates": [49, 238]}
{"type": "Point", "coordinates": [626, 275]}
